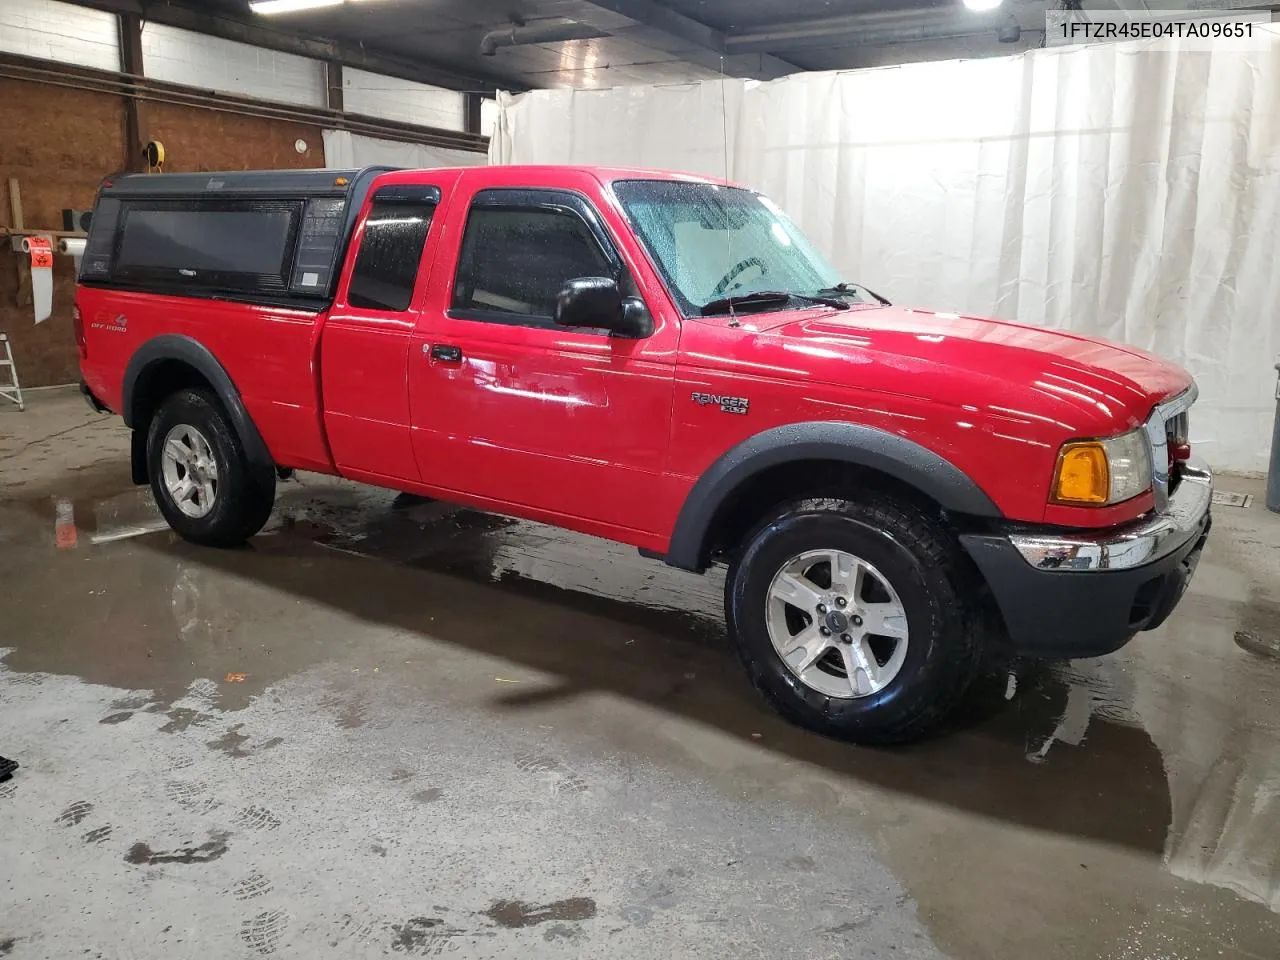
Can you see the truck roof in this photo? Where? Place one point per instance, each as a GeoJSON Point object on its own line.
{"type": "Point", "coordinates": [545, 173]}
{"type": "Point", "coordinates": [341, 182]}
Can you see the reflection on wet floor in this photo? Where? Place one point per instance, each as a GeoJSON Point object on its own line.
{"type": "Point", "coordinates": [1170, 750]}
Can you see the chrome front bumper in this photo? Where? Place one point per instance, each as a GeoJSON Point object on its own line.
{"type": "Point", "coordinates": [1145, 541]}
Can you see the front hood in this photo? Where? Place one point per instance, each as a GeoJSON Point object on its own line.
{"type": "Point", "coordinates": [1087, 384]}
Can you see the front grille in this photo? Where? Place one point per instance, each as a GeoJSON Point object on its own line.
{"type": "Point", "coordinates": [1166, 430]}
{"type": "Point", "coordinates": [1175, 431]}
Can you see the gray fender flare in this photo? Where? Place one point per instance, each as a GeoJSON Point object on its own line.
{"type": "Point", "coordinates": [818, 440]}
{"type": "Point", "coordinates": [196, 355]}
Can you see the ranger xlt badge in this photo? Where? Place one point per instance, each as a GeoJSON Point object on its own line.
{"type": "Point", "coordinates": [726, 404]}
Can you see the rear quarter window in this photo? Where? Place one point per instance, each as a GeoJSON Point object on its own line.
{"type": "Point", "coordinates": [386, 267]}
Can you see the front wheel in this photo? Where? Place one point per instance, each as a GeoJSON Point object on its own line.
{"type": "Point", "coordinates": [851, 619]}
{"type": "Point", "coordinates": [204, 485]}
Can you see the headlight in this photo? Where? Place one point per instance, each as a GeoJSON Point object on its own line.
{"type": "Point", "coordinates": [1101, 472]}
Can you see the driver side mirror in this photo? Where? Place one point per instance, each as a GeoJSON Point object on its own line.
{"type": "Point", "coordinates": [597, 302]}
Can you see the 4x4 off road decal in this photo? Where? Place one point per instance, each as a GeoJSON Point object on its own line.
{"type": "Point", "coordinates": [726, 404]}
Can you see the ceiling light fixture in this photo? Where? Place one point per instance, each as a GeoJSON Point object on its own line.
{"type": "Point", "coordinates": [981, 6]}
{"type": "Point", "coordinates": [289, 6]}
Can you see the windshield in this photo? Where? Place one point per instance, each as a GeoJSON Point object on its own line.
{"type": "Point", "coordinates": [712, 242]}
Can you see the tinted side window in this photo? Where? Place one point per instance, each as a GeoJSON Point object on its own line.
{"type": "Point", "coordinates": [517, 260]}
{"type": "Point", "coordinates": [390, 253]}
{"type": "Point", "coordinates": [219, 245]}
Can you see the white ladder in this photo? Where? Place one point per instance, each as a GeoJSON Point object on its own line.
{"type": "Point", "coordinates": [10, 390]}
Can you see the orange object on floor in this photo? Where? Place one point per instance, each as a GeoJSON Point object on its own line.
{"type": "Point", "coordinates": [64, 528]}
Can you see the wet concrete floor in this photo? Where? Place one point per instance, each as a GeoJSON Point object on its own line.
{"type": "Point", "coordinates": [398, 728]}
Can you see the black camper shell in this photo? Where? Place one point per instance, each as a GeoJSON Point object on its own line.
{"type": "Point", "coordinates": [272, 236]}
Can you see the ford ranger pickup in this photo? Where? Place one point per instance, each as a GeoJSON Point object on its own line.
{"type": "Point", "coordinates": [664, 361]}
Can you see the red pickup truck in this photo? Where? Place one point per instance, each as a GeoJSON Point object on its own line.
{"type": "Point", "coordinates": [665, 361]}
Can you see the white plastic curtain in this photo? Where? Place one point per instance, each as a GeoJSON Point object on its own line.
{"type": "Point", "coordinates": [344, 150]}
{"type": "Point", "coordinates": [1130, 191]}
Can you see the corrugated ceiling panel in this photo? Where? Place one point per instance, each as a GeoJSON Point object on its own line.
{"type": "Point", "coordinates": [181, 56]}
{"type": "Point", "coordinates": [61, 32]}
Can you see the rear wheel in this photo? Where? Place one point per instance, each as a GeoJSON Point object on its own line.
{"type": "Point", "coordinates": [204, 485]}
{"type": "Point", "coordinates": [852, 619]}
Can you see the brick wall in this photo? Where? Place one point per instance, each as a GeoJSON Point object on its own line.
{"type": "Point", "coordinates": [60, 143]}
{"type": "Point", "coordinates": [196, 139]}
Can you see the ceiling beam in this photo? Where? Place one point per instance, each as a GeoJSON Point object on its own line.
{"type": "Point", "coordinates": [869, 29]}
{"type": "Point", "coordinates": [683, 37]}
{"type": "Point", "coordinates": [259, 33]}
{"type": "Point", "coordinates": [473, 115]}
{"type": "Point", "coordinates": [129, 29]}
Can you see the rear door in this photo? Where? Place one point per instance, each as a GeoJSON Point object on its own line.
{"type": "Point", "coordinates": [364, 348]}
{"type": "Point", "coordinates": [563, 423]}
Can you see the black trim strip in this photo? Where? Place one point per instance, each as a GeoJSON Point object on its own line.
{"type": "Point", "coordinates": [308, 304]}
{"type": "Point", "coordinates": [408, 193]}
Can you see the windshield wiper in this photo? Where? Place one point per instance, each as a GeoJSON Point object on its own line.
{"type": "Point", "coordinates": [725, 304]}
{"type": "Point", "coordinates": [853, 288]}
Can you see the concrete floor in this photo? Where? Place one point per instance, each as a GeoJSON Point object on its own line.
{"type": "Point", "coordinates": [387, 729]}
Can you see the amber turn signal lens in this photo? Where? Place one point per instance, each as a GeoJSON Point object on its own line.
{"type": "Point", "coordinates": [1083, 475]}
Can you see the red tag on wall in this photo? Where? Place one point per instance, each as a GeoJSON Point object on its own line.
{"type": "Point", "coordinates": [41, 253]}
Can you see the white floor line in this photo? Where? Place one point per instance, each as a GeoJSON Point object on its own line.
{"type": "Point", "coordinates": [125, 533]}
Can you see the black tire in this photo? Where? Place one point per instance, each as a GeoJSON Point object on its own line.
{"type": "Point", "coordinates": [921, 562]}
{"type": "Point", "coordinates": [244, 493]}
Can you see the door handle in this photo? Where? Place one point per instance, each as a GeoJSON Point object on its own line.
{"type": "Point", "coordinates": [446, 353]}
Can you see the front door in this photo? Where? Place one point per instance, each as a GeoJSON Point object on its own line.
{"type": "Point", "coordinates": [561, 423]}
{"type": "Point", "coordinates": [364, 349]}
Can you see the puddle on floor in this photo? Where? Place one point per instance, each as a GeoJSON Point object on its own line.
{"type": "Point", "coordinates": [1167, 751]}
